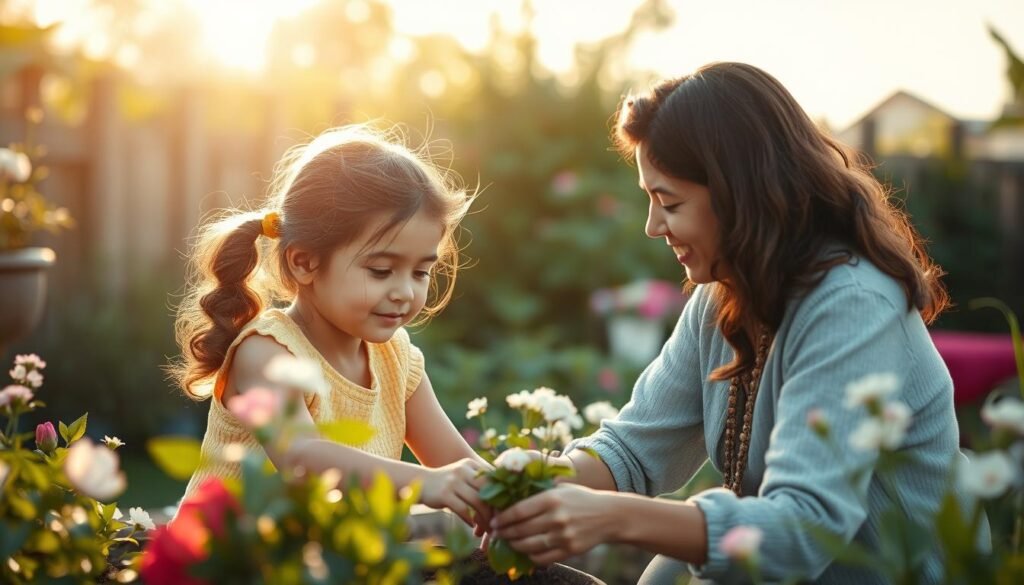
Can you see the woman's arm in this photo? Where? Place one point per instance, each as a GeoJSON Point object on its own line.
{"type": "Point", "coordinates": [570, 520]}
{"type": "Point", "coordinates": [453, 486]}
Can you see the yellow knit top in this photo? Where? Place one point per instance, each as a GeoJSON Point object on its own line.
{"type": "Point", "coordinates": [396, 367]}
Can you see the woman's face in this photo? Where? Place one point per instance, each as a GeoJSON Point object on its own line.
{"type": "Point", "coordinates": [680, 211]}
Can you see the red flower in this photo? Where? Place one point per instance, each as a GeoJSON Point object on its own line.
{"type": "Point", "coordinates": [211, 504]}
{"type": "Point", "coordinates": [182, 543]}
{"type": "Point", "coordinates": [46, 437]}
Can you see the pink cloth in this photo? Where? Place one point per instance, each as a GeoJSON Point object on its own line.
{"type": "Point", "coordinates": [977, 362]}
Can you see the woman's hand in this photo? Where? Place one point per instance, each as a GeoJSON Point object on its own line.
{"type": "Point", "coordinates": [456, 486]}
{"type": "Point", "coordinates": [559, 523]}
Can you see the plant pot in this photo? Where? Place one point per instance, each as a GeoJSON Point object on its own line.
{"type": "Point", "coordinates": [23, 291]}
{"type": "Point", "coordinates": [635, 339]}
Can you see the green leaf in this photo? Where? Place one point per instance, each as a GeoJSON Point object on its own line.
{"type": "Point", "coordinates": [178, 457]}
{"type": "Point", "coordinates": [491, 491]}
{"type": "Point", "coordinates": [63, 431]}
{"type": "Point", "coordinates": [347, 432]}
{"type": "Point", "coordinates": [501, 556]}
{"type": "Point", "coordinates": [1011, 320]}
{"type": "Point", "coordinates": [77, 429]}
{"type": "Point", "coordinates": [106, 511]}
{"type": "Point", "coordinates": [381, 497]}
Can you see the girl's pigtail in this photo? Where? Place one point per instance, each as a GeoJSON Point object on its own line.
{"type": "Point", "coordinates": [221, 300]}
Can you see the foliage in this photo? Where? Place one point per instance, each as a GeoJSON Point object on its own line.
{"type": "Point", "coordinates": [23, 208]}
{"type": "Point", "coordinates": [287, 526]}
{"type": "Point", "coordinates": [50, 529]}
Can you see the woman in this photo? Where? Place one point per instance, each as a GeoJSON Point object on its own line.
{"type": "Point", "coordinates": [804, 279]}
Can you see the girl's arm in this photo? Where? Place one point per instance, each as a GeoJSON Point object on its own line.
{"type": "Point", "coordinates": [429, 433]}
{"type": "Point", "coordinates": [453, 486]}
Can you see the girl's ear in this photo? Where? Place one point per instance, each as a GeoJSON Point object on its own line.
{"type": "Point", "coordinates": [302, 264]}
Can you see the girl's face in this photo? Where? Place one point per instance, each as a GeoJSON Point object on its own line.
{"type": "Point", "coordinates": [368, 291]}
{"type": "Point", "coordinates": [680, 211]}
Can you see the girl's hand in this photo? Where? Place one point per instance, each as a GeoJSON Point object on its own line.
{"type": "Point", "coordinates": [559, 523]}
{"type": "Point", "coordinates": [456, 486]}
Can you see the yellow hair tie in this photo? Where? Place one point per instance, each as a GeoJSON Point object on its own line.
{"type": "Point", "coordinates": [271, 225]}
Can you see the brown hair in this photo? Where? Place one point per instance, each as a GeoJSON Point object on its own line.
{"type": "Point", "coordinates": [781, 189]}
{"type": "Point", "coordinates": [326, 194]}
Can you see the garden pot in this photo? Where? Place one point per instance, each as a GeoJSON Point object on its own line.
{"type": "Point", "coordinates": [22, 291]}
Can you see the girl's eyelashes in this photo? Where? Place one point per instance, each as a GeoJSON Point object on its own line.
{"type": "Point", "coordinates": [670, 208]}
{"type": "Point", "coordinates": [422, 274]}
{"type": "Point", "coordinates": [380, 272]}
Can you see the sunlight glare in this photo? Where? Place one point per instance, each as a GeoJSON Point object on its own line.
{"type": "Point", "coordinates": [237, 36]}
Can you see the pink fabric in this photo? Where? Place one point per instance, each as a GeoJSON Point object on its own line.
{"type": "Point", "coordinates": [977, 362]}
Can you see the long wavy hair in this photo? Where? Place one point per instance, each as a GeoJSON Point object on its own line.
{"type": "Point", "coordinates": [327, 193]}
{"type": "Point", "coordinates": [781, 189]}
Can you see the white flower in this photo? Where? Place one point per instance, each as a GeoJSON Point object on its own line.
{"type": "Point", "coordinates": [559, 433]}
{"type": "Point", "coordinates": [557, 408]}
{"type": "Point", "coordinates": [518, 400]}
{"type": "Point", "coordinates": [488, 438]}
{"type": "Point", "coordinates": [742, 542]}
{"type": "Point", "coordinates": [885, 432]}
{"type": "Point", "coordinates": [30, 359]}
{"type": "Point", "coordinates": [34, 379]}
{"type": "Point", "coordinates": [896, 419]}
{"type": "Point", "coordinates": [477, 406]}
{"type": "Point", "coordinates": [987, 475]}
{"type": "Point", "coordinates": [870, 389]}
{"type": "Point", "coordinates": [140, 518]}
{"type": "Point", "coordinates": [515, 459]}
{"type": "Point", "coordinates": [18, 373]}
{"type": "Point", "coordinates": [1007, 414]}
{"type": "Point", "coordinates": [94, 471]}
{"type": "Point", "coordinates": [599, 411]}
{"type": "Point", "coordinates": [15, 393]}
{"type": "Point", "coordinates": [298, 374]}
{"type": "Point", "coordinates": [15, 165]}
{"type": "Point", "coordinates": [112, 442]}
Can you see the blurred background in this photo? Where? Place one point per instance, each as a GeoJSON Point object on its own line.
{"type": "Point", "coordinates": [156, 112]}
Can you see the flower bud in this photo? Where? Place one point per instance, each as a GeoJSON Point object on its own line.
{"type": "Point", "coordinates": [46, 437]}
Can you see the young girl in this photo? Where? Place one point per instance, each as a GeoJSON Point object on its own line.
{"type": "Point", "coordinates": [805, 281]}
{"type": "Point", "coordinates": [355, 230]}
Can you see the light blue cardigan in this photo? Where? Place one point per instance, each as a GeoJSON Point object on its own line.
{"type": "Point", "coordinates": [855, 322]}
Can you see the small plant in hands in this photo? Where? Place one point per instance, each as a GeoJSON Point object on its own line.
{"type": "Point", "coordinates": [548, 420]}
{"type": "Point", "coordinates": [57, 518]}
{"type": "Point", "coordinates": [287, 526]}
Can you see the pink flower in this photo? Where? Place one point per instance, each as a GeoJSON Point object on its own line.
{"type": "Point", "coordinates": [256, 407]}
{"type": "Point", "coordinates": [565, 183]}
{"type": "Point", "coordinates": [471, 435]}
{"type": "Point", "coordinates": [34, 379]}
{"type": "Point", "coordinates": [659, 299]}
{"type": "Point", "coordinates": [46, 437]}
{"type": "Point", "coordinates": [741, 543]}
{"type": "Point", "coordinates": [608, 380]}
{"type": "Point", "coordinates": [15, 394]}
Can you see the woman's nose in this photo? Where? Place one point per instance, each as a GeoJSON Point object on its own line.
{"type": "Point", "coordinates": [655, 227]}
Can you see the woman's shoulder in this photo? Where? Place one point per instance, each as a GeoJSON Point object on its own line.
{"type": "Point", "coordinates": [856, 277]}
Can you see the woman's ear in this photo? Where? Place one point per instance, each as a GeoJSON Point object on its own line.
{"type": "Point", "coordinates": [302, 264]}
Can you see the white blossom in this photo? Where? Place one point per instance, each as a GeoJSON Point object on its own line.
{"type": "Point", "coordinates": [872, 388]}
{"type": "Point", "coordinates": [558, 433]}
{"type": "Point", "coordinates": [884, 432]}
{"type": "Point", "coordinates": [140, 518]}
{"type": "Point", "coordinates": [476, 407]}
{"type": "Point", "coordinates": [599, 411]}
{"type": "Point", "coordinates": [34, 379]}
{"type": "Point", "coordinates": [519, 400]}
{"type": "Point", "coordinates": [112, 442]}
{"type": "Point", "coordinates": [18, 373]}
{"type": "Point", "coordinates": [987, 475]}
{"type": "Point", "coordinates": [515, 459]}
{"type": "Point", "coordinates": [741, 542]}
{"type": "Point", "coordinates": [304, 375]}
{"type": "Point", "coordinates": [1007, 414]}
{"type": "Point", "coordinates": [94, 471]}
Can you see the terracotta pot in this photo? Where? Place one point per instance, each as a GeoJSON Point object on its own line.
{"type": "Point", "coordinates": [22, 291]}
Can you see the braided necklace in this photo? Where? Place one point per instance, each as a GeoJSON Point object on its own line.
{"type": "Point", "coordinates": [736, 463]}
